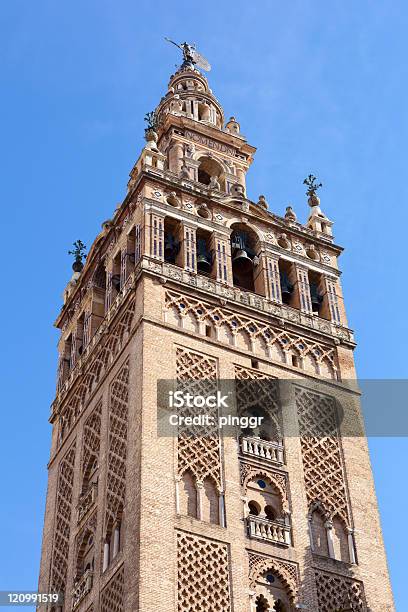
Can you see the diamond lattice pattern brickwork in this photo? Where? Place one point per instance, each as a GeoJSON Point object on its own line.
{"type": "Point", "coordinates": [60, 552]}
{"type": "Point", "coordinates": [117, 445]}
{"type": "Point", "coordinates": [256, 389]}
{"type": "Point", "coordinates": [203, 574]}
{"type": "Point", "coordinates": [92, 439]}
{"type": "Point", "coordinates": [321, 453]}
{"type": "Point", "coordinates": [197, 452]}
{"type": "Point", "coordinates": [339, 593]}
{"type": "Point", "coordinates": [112, 596]}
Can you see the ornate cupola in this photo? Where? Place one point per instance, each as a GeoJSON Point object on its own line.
{"type": "Point", "coordinates": [188, 138]}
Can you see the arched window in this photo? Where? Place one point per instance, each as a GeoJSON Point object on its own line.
{"type": "Point", "coordinates": [86, 555]}
{"type": "Point", "coordinates": [254, 508]}
{"type": "Point", "coordinates": [262, 604]}
{"type": "Point", "coordinates": [340, 540]}
{"type": "Point", "coordinates": [210, 503]}
{"type": "Point", "coordinates": [188, 495]}
{"type": "Point", "coordinates": [265, 499]}
{"type": "Point", "coordinates": [211, 173]}
{"type": "Point", "coordinates": [319, 533]}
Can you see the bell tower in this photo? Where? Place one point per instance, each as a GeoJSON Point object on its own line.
{"type": "Point", "coordinates": [192, 282]}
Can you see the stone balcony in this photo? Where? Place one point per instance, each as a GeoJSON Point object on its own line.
{"type": "Point", "coordinates": [87, 500]}
{"type": "Point", "coordinates": [276, 531]}
{"type": "Point", "coordinates": [262, 449]}
{"type": "Point", "coordinates": [82, 588]}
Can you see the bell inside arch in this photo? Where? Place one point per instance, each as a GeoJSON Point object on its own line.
{"type": "Point", "coordinates": [316, 297]}
{"type": "Point", "coordinates": [286, 287]}
{"type": "Point", "coordinates": [242, 261]}
{"type": "Point", "coordinates": [171, 247]}
{"type": "Point", "coordinates": [204, 257]}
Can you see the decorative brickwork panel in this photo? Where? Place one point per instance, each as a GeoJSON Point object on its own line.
{"type": "Point", "coordinates": [287, 571]}
{"type": "Point", "coordinates": [321, 454]}
{"type": "Point", "coordinates": [272, 340]}
{"type": "Point", "coordinates": [112, 596]}
{"type": "Point", "coordinates": [255, 389]}
{"type": "Point", "coordinates": [92, 440]}
{"type": "Point", "coordinates": [203, 574]}
{"type": "Point", "coordinates": [62, 529]}
{"type": "Point", "coordinates": [198, 453]}
{"type": "Point", "coordinates": [103, 351]}
{"type": "Point", "coordinates": [336, 592]}
{"type": "Point", "coordinates": [117, 446]}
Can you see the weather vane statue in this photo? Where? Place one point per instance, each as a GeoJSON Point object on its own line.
{"type": "Point", "coordinates": [191, 56]}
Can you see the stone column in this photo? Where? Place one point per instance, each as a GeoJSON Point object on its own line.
{"type": "Point", "coordinates": [352, 550]}
{"type": "Point", "coordinates": [189, 255]}
{"type": "Point", "coordinates": [200, 488]}
{"type": "Point", "coordinates": [105, 556]}
{"type": "Point", "coordinates": [222, 258]}
{"type": "Point", "coordinates": [329, 532]}
{"type": "Point", "coordinates": [116, 541]}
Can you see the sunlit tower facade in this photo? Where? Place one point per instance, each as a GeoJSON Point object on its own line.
{"type": "Point", "coordinates": [191, 280]}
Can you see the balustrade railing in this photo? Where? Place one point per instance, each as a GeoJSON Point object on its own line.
{"type": "Point", "coordinates": [87, 500]}
{"type": "Point", "coordinates": [82, 588]}
{"type": "Point", "coordinates": [271, 531]}
{"type": "Point", "coordinates": [262, 449]}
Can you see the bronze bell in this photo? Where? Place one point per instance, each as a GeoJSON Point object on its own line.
{"type": "Point", "coordinates": [204, 257]}
{"type": "Point", "coordinates": [242, 261]}
{"type": "Point", "coordinates": [203, 265]}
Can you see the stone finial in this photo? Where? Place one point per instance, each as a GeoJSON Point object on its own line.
{"type": "Point", "coordinates": [312, 187]}
{"type": "Point", "coordinates": [150, 132]}
{"type": "Point", "coordinates": [290, 214]}
{"type": "Point", "coordinates": [79, 253]}
{"type": "Point", "coordinates": [232, 126]}
{"type": "Point", "coordinates": [262, 203]}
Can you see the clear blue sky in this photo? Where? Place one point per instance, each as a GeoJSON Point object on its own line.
{"type": "Point", "coordinates": [317, 86]}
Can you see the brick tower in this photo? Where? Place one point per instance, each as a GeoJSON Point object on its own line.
{"type": "Point", "coordinates": [190, 280]}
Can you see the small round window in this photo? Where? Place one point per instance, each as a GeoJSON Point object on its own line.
{"type": "Point", "coordinates": [262, 484]}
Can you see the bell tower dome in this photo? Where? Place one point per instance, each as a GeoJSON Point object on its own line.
{"type": "Point", "coordinates": [193, 137]}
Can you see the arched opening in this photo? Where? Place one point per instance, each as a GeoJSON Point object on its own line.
{"type": "Point", "coordinates": [287, 275]}
{"type": "Point", "coordinates": [86, 555]}
{"type": "Point", "coordinates": [316, 292]}
{"type": "Point", "coordinates": [254, 508]}
{"type": "Point", "coordinates": [267, 429]}
{"type": "Point", "coordinates": [270, 513]}
{"type": "Point", "coordinates": [244, 243]}
{"type": "Point", "coordinates": [210, 502]}
{"type": "Point", "coordinates": [204, 112]}
{"type": "Point", "coordinates": [319, 533]}
{"type": "Point", "coordinates": [172, 241]}
{"type": "Point", "coordinates": [205, 257]}
{"type": "Point", "coordinates": [340, 541]}
{"type": "Point", "coordinates": [89, 474]}
{"type": "Point", "coordinates": [265, 499]}
{"type": "Point", "coordinates": [188, 495]}
{"type": "Point", "coordinates": [210, 173]}
{"type": "Point", "coordinates": [262, 604]}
